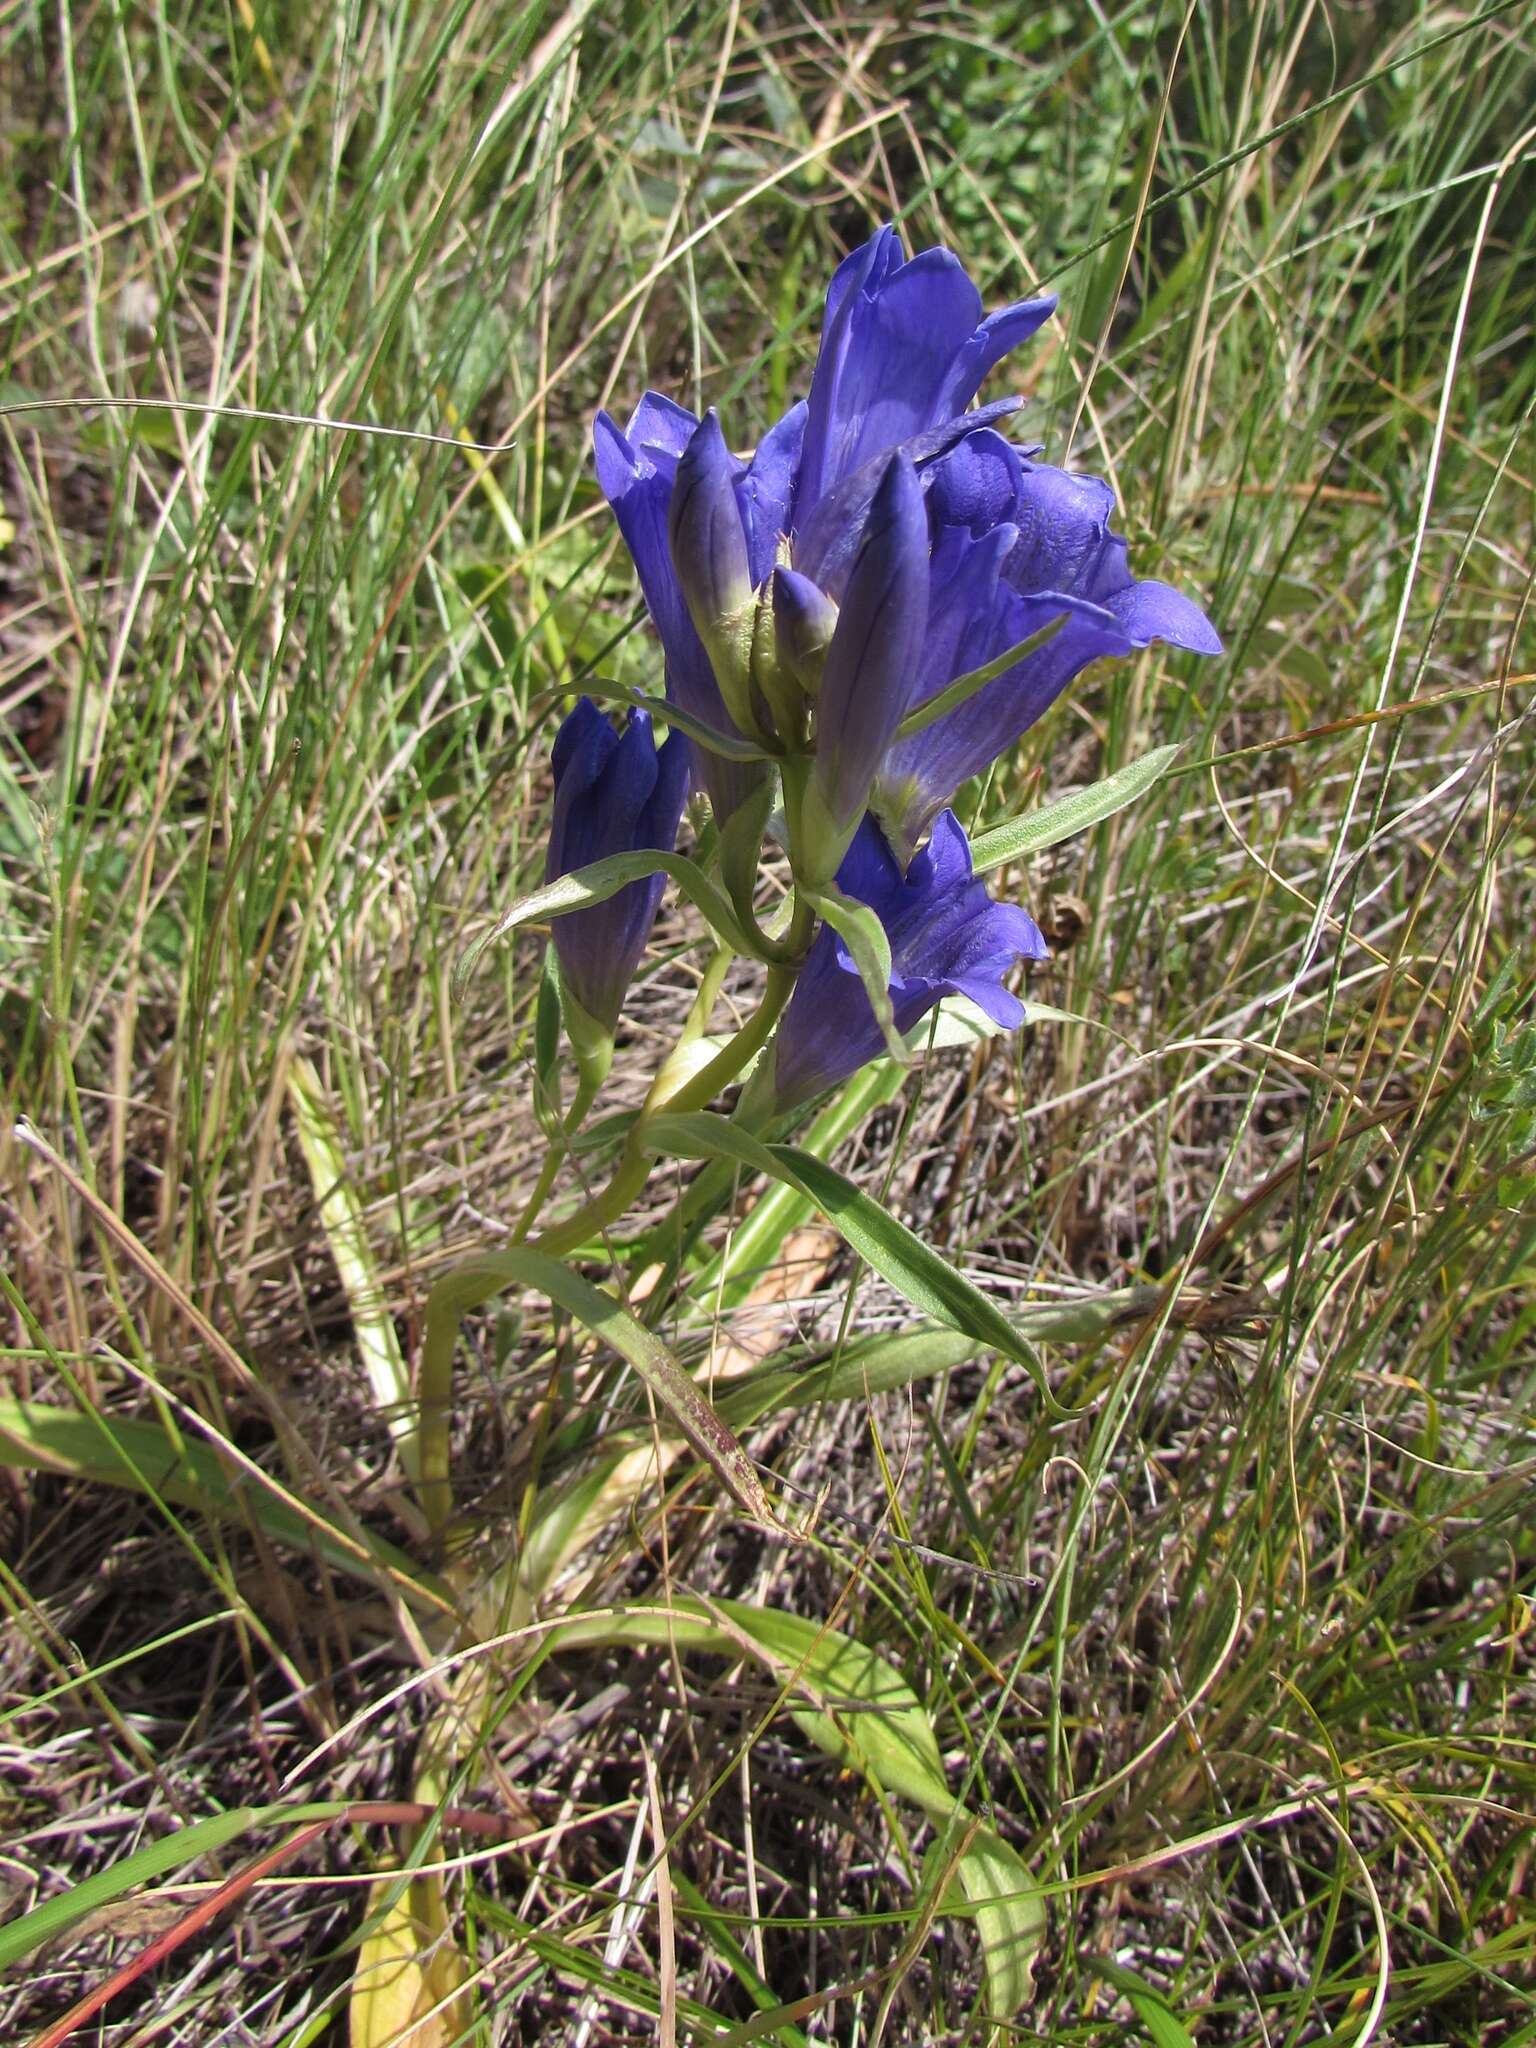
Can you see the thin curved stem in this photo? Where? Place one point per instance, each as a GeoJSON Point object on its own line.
{"type": "Point", "coordinates": [634, 1168]}
{"type": "Point", "coordinates": [586, 1088]}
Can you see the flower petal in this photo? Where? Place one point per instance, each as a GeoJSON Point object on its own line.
{"type": "Point", "coordinates": [768, 492]}
{"type": "Point", "coordinates": [871, 665]}
{"type": "Point", "coordinates": [922, 772]}
{"type": "Point", "coordinates": [899, 331]}
{"type": "Point", "coordinates": [1156, 611]}
{"type": "Point", "coordinates": [997, 336]}
{"type": "Point", "coordinates": [824, 546]}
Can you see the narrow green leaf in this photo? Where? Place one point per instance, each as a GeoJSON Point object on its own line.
{"type": "Point", "coordinates": [1070, 814]}
{"type": "Point", "coordinates": [918, 1273]}
{"type": "Point", "coordinates": [755, 1243]}
{"type": "Point", "coordinates": [478, 1279]}
{"type": "Point", "coordinates": [1163, 2025]}
{"type": "Point", "coordinates": [723, 1944]}
{"type": "Point", "coordinates": [730, 746]}
{"type": "Point", "coordinates": [963, 688]}
{"type": "Point", "coordinates": [876, 1364]}
{"type": "Point", "coordinates": [598, 881]}
{"type": "Point", "coordinates": [546, 1048]}
{"type": "Point", "coordinates": [341, 1218]}
{"type": "Point", "coordinates": [44, 1923]}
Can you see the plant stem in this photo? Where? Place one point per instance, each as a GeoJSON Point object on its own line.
{"type": "Point", "coordinates": [634, 1168]}
{"type": "Point", "coordinates": [586, 1088]}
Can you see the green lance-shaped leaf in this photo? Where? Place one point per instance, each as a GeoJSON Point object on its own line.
{"type": "Point", "coordinates": [604, 689]}
{"type": "Point", "coordinates": [917, 1272]}
{"type": "Point", "coordinates": [149, 1459]}
{"type": "Point", "coordinates": [478, 1279]}
{"type": "Point", "coordinates": [601, 879]}
{"type": "Point", "coordinates": [171, 1852]}
{"type": "Point", "coordinates": [963, 688]}
{"type": "Point", "coordinates": [756, 1241]}
{"type": "Point", "coordinates": [1162, 2025]}
{"type": "Point", "coordinates": [1069, 814]}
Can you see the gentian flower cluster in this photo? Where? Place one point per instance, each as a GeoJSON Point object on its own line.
{"type": "Point", "coordinates": [883, 544]}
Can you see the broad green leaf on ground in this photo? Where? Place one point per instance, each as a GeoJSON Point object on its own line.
{"type": "Point", "coordinates": [1009, 1911]}
{"type": "Point", "coordinates": [410, 1981]}
{"type": "Point", "coordinates": [1069, 814]}
{"type": "Point", "coordinates": [918, 1273]}
{"type": "Point", "coordinates": [146, 1457]}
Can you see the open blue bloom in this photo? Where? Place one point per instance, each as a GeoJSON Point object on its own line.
{"type": "Point", "coordinates": [904, 349]}
{"type": "Point", "coordinates": [905, 346]}
{"type": "Point", "coordinates": [613, 794]}
{"type": "Point", "coordinates": [1016, 544]}
{"type": "Point", "coordinates": [947, 937]}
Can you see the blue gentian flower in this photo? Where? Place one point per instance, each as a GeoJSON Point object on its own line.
{"type": "Point", "coordinates": [1015, 544]}
{"type": "Point", "coordinates": [904, 350]}
{"type": "Point", "coordinates": [613, 794]}
{"type": "Point", "coordinates": [947, 938]}
{"type": "Point", "coordinates": [908, 543]}
{"type": "Point", "coordinates": [905, 346]}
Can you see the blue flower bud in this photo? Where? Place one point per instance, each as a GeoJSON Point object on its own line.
{"type": "Point", "coordinates": [804, 619]}
{"type": "Point", "coordinates": [613, 794]}
{"type": "Point", "coordinates": [871, 665]}
{"type": "Point", "coordinates": [709, 555]}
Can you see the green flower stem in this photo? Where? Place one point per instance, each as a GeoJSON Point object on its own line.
{"type": "Point", "coordinates": [737, 1053]}
{"type": "Point", "coordinates": [605, 1207]}
{"type": "Point", "coordinates": [587, 1086]}
{"type": "Point", "coordinates": [634, 1168]}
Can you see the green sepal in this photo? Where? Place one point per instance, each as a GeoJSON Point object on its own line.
{"type": "Point", "coordinates": [819, 839]}
{"type": "Point", "coordinates": [741, 840]}
{"type": "Point", "coordinates": [864, 935]}
{"type": "Point", "coordinates": [591, 1043]}
{"type": "Point", "coordinates": [546, 1049]}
